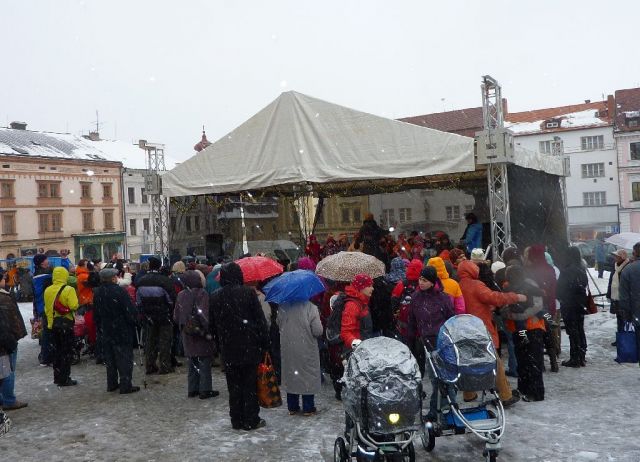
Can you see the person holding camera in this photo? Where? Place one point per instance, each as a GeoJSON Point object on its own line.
{"type": "Point", "coordinates": [191, 314]}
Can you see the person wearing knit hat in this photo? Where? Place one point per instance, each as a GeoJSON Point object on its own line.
{"type": "Point", "coordinates": [429, 309]}
{"type": "Point", "coordinates": [478, 255]}
{"type": "Point", "coordinates": [356, 318]}
{"type": "Point", "coordinates": [497, 266]}
{"type": "Point", "coordinates": [39, 259]}
{"type": "Point", "coordinates": [42, 279]}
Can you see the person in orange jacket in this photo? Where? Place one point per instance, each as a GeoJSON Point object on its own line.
{"type": "Point", "coordinates": [481, 301]}
{"type": "Point", "coordinates": [85, 299]}
{"type": "Point", "coordinates": [356, 324]}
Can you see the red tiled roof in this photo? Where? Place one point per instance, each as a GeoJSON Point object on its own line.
{"type": "Point", "coordinates": [626, 100]}
{"type": "Point", "coordinates": [552, 112]}
{"type": "Point", "coordinates": [462, 122]}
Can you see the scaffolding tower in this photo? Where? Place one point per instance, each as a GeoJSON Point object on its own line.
{"type": "Point", "coordinates": [159, 204]}
{"type": "Point", "coordinates": [495, 150]}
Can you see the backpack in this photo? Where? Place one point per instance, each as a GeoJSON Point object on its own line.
{"type": "Point", "coordinates": [94, 279]}
{"type": "Point", "coordinates": [196, 325]}
{"type": "Point", "coordinates": [334, 322]}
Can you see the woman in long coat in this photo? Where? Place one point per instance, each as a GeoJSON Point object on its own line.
{"type": "Point", "coordinates": [300, 327]}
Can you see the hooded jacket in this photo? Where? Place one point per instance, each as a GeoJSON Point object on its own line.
{"type": "Point", "coordinates": [428, 311]}
{"type": "Point", "coordinates": [67, 297]}
{"type": "Point", "coordinates": [242, 327]}
{"type": "Point", "coordinates": [544, 276]}
{"type": "Point", "coordinates": [356, 318]}
{"type": "Point", "coordinates": [85, 293]}
{"type": "Point", "coordinates": [397, 272]}
{"type": "Point", "coordinates": [193, 296]}
{"type": "Point", "coordinates": [41, 280]}
{"type": "Point", "coordinates": [479, 300]}
{"type": "Point", "coordinates": [449, 286]}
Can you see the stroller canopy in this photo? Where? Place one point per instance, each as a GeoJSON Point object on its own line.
{"type": "Point", "coordinates": [464, 347]}
{"type": "Point", "coordinates": [389, 373]}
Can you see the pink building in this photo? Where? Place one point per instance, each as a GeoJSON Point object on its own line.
{"type": "Point", "coordinates": [627, 137]}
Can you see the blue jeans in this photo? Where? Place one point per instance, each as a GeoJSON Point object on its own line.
{"type": "Point", "coordinates": [7, 392]}
{"type": "Point", "coordinates": [293, 402]}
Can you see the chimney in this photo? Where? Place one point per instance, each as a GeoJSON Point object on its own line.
{"type": "Point", "coordinates": [505, 107]}
{"type": "Point", "coordinates": [94, 136]}
{"type": "Point", "coordinates": [18, 125]}
{"type": "Point", "coordinates": [611, 107]}
{"type": "Point", "coordinates": [587, 101]}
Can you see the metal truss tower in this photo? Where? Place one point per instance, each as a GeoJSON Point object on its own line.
{"type": "Point", "coordinates": [495, 149]}
{"type": "Point", "coordinates": [159, 204]}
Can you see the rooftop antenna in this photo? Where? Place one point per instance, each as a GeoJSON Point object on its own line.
{"type": "Point", "coordinates": [97, 122]}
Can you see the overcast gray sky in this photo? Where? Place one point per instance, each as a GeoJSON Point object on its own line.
{"type": "Point", "coordinates": [161, 69]}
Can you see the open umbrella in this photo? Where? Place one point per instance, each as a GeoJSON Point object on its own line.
{"type": "Point", "coordinates": [295, 286]}
{"type": "Point", "coordinates": [343, 266]}
{"type": "Point", "coordinates": [258, 268]}
{"type": "Point", "coordinates": [624, 240]}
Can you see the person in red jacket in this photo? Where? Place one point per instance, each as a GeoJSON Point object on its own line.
{"type": "Point", "coordinates": [481, 301]}
{"type": "Point", "coordinates": [356, 324]}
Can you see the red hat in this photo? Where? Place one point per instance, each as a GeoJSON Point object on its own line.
{"type": "Point", "coordinates": [361, 281]}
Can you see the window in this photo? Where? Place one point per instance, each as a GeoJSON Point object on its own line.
{"type": "Point", "coordinates": [50, 221]}
{"type": "Point", "coordinates": [552, 125]}
{"type": "Point", "coordinates": [405, 215]}
{"type": "Point", "coordinates": [132, 195]}
{"type": "Point", "coordinates": [589, 143]}
{"type": "Point", "coordinates": [632, 123]}
{"type": "Point", "coordinates": [145, 225]}
{"type": "Point", "coordinates": [6, 190]}
{"type": "Point", "coordinates": [85, 190]}
{"type": "Point", "coordinates": [453, 212]}
{"type": "Point", "coordinates": [468, 209]}
{"type": "Point", "coordinates": [9, 223]}
{"type": "Point", "coordinates": [545, 147]}
{"type": "Point", "coordinates": [188, 223]}
{"type": "Point", "coordinates": [634, 149]}
{"type": "Point", "coordinates": [345, 216]}
{"type": "Point", "coordinates": [48, 189]}
{"type": "Point", "coordinates": [87, 220]}
{"type": "Point", "coordinates": [145, 198]}
{"type": "Point", "coordinates": [592, 170]}
{"type": "Point", "coordinates": [108, 218]}
{"type": "Point", "coordinates": [635, 191]}
{"type": "Point", "coordinates": [357, 218]}
{"type": "Point", "coordinates": [594, 198]}
{"type": "Point", "coordinates": [106, 191]}
{"type": "Point", "coordinates": [196, 223]}
{"type": "Point", "coordinates": [388, 217]}
{"type": "Point", "coordinates": [133, 228]}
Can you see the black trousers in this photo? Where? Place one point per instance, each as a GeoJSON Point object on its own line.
{"type": "Point", "coordinates": [244, 409]}
{"type": "Point", "coordinates": [530, 356]}
{"type": "Point", "coordinates": [577, 338]}
{"type": "Point", "coordinates": [119, 362]}
{"type": "Point", "coordinates": [62, 349]}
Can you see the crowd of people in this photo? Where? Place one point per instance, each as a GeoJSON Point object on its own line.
{"type": "Point", "coordinates": [211, 316]}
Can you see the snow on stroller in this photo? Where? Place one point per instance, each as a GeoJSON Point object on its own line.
{"type": "Point", "coordinates": [465, 360]}
{"type": "Point", "coordinates": [382, 399]}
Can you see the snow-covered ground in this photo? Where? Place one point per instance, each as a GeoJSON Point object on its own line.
{"type": "Point", "coordinates": [589, 414]}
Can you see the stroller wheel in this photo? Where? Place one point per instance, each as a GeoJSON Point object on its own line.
{"type": "Point", "coordinates": [340, 451]}
{"type": "Point", "coordinates": [428, 437]}
{"type": "Point", "coordinates": [409, 454]}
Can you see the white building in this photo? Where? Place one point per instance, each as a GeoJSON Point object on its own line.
{"type": "Point", "coordinates": [585, 133]}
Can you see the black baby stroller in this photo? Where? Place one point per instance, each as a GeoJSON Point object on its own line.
{"type": "Point", "coordinates": [382, 400]}
{"type": "Point", "coordinates": [465, 360]}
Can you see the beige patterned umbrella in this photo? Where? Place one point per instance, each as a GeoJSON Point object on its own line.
{"type": "Point", "coordinates": [343, 266]}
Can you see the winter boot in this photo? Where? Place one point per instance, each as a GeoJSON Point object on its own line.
{"type": "Point", "coordinates": [571, 363]}
{"type": "Point", "coordinates": [553, 360]}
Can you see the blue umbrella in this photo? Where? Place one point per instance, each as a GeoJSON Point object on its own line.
{"type": "Point", "coordinates": [295, 286]}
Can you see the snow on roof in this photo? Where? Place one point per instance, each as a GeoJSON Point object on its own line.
{"type": "Point", "coordinates": [67, 146]}
{"type": "Point", "coordinates": [631, 114]}
{"type": "Point", "coordinates": [580, 119]}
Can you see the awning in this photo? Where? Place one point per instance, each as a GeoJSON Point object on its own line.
{"type": "Point", "coordinates": [302, 142]}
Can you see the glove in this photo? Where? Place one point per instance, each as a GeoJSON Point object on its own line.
{"type": "Point", "coordinates": [523, 336]}
{"type": "Point", "coordinates": [355, 343]}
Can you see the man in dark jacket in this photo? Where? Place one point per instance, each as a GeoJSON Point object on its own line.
{"type": "Point", "coordinates": [370, 234]}
{"type": "Point", "coordinates": [244, 337]}
{"type": "Point", "coordinates": [155, 296]}
{"type": "Point", "coordinates": [9, 307]}
{"type": "Point", "coordinates": [42, 280]}
{"type": "Point", "coordinates": [116, 316]}
{"type": "Point", "coordinates": [629, 301]}
{"type": "Point", "coordinates": [572, 293]}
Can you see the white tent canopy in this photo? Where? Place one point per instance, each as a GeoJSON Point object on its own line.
{"type": "Point", "coordinates": [298, 139]}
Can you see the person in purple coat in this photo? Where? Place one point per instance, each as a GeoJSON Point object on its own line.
{"type": "Point", "coordinates": [193, 303]}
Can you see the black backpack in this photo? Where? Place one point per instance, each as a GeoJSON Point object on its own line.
{"type": "Point", "coordinates": [334, 323]}
{"type": "Point", "coordinates": [94, 279]}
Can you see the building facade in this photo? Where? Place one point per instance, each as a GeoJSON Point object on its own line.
{"type": "Point", "coordinates": [627, 136]}
{"type": "Point", "coordinates": [58, 193]}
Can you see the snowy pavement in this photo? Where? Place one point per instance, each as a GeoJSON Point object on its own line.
{"type": "Point", "coordinates": [589, 414]}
